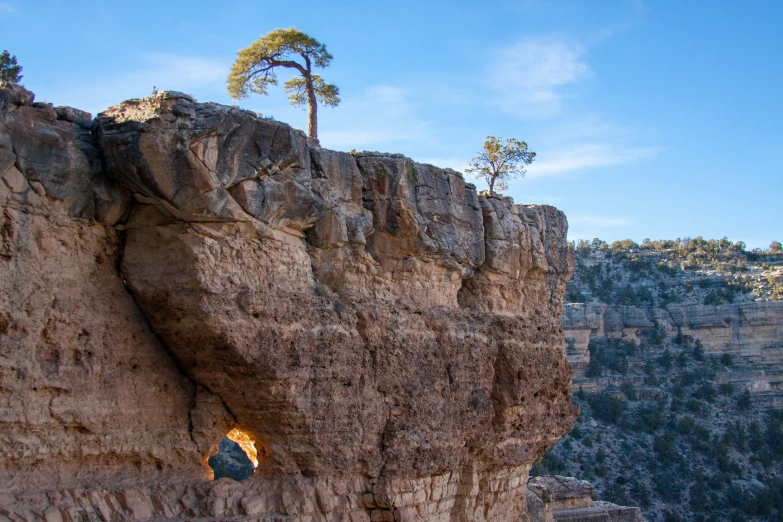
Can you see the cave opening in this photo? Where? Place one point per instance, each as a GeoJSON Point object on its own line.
{"type": "Point", "coordinates": [237, 457]}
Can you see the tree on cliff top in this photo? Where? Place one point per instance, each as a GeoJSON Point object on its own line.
{"type": "Point", "coordinates": [499, 162]}
{"type": "Point", "coordinates": [9, 69]}
{"type": "Point", "coordinates": [254, 70]}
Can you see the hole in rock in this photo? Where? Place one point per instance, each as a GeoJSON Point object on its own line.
{"type": "Point", "coordinates": [237, 457]}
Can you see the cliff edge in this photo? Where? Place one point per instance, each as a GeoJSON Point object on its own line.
{"type": "Point", "coordinates": [387, 337]}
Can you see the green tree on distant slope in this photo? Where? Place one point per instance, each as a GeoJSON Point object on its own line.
{"type": "Point", "coordinates": [254, 70]}
{"type": "Point", "coordinates": [9, 69]}
{"type": "Point", "coordinates": [499, 162]}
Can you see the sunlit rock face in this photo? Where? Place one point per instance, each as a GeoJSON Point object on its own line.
{"type": "Point", "coordinates": [87, 393]}
{"type": "Point", "coordinates": [388, 337]}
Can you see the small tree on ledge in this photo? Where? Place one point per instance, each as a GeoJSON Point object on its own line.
{"type": "Point", "coordinates": [499, 162]}
{"type": "Point", "coordinates": [9, 69]}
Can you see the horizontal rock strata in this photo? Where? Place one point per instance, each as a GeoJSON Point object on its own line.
{"type": "Point", "coordinates": [173, 270]}
{"type": "Point", "coordinates": [751, 333]}
{"type": "Point", "coordinates": [567, 499]}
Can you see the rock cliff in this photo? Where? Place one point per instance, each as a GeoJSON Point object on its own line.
{"type": "Point", "coordinates": [750, 333]}
{"type": "Point", "coordinates": [387, 337]}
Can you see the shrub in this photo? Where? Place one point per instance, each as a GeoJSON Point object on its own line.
{"type": "Point", "coordinates": [628, 390]}
{"type": "Point", "coordinates": [744, 401]}
{"type": "Point", "coordinates": [686, 341]}
{"type": "Point", "coordinates": [665, 360]}
{"type": "Point", "coordinates": [736, 436]}
{"type": "Point", "coordinates": [615, 492]}
{"type": "Point", "coordinates": [652, 378]}
{"type": "Point", "coordinates": [706, 392]}
{"type": "Point", "coordinates": [698, 350]}
{"type": "Point", "coordinates": [698, 496]}
{"type": "Point", "coordinates": [774, 434]}
{"type": "Point", "coordinates": [667, 486]}
{"type": "Point", "coordinates": [686, 425]}
{"type": "Point", "coordinates": [9, 68]}
{"type": "Point", "coordinates": [673, 516]}
{"type": "Point", "coordinates": [695, 406]}
{"type": "Point", "coordinates": [641, 494]}
{"type": "Point", "coordinates": [594, 367]}
{"type": "Point", "coordinates": [649, 418]}
{"type": "Point", "coordinates": [549, 464]}
{"type": "Point", "coordinates": [719, 296]}
{"type": "Point", "coordinates": [573, 295]}
{"type": "Point", "coordinates": [600, 455]}
{"type": "Point", "coordinates": [607, 408]}
{"type": "Point", "coordinates": [665, 448]}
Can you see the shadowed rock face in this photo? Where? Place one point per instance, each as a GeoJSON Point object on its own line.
{"type": "Point", "coordinates": [388, 336]}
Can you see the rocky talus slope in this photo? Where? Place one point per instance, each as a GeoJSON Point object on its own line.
{"type": "Point", "coordinates": [172, 270]}
{"type": "Point", "coordinates": [677, 351]}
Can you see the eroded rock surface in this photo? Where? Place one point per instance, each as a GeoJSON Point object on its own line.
{"type": "Point", "coordinates": [87, 393]}
{"type": "Point", "coordinates": [388, 336]}
{"type": "Point", "coordinates": [567, 499]}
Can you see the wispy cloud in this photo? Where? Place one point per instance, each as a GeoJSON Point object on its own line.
{"type": "Point", "coordinates": [7, 7]}
{"type": "Point", "coordinates": [598, 221]}
{"type": "Point", "coordinates": [379, 116]}
{"type": "Point", "coordinates": [539, 78]}
{"type": "Point", "coordinates": [529, 76]}
{"type": "Point", "coordinates": [590, 155]}
{"type": "Point", "coordinates": [526, 197]}
{"type": "Point", "coordinates": [458, 164]}
{"type": "Point", "coordinates": [163, 71]}
{"type": "Point", "coordinates": [596, 225]}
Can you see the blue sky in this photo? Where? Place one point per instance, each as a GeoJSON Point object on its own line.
{"type": "Point", "coordinates": [656, 119]}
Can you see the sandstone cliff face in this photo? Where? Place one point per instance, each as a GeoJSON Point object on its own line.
{"type": "Point", "coordinates": [86, 391]}
{"type": "Point", "coordinates": [389, 337]}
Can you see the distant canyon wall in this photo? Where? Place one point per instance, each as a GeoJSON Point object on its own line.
{"type": "Point", "coordinates": [172, 270]}
{"type": "Point", "coordinates": [751, 333]}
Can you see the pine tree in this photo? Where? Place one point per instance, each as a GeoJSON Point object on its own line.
{"type": "Point", "coordinates": [254, 70]}
{"type": "Point", "coordinates": [497, 163]}
{"type": "Point", "coordinates": [9, 69]}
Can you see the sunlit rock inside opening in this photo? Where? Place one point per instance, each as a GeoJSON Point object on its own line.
{"type": "Point", "coordinates": [237, 457]}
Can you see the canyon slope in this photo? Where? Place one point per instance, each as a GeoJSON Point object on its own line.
{"type": "Point", "coordinates": [388, 337]}
{"type": "Point", "coordinates": [677, 351]}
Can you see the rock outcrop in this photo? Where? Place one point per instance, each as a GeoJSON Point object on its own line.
{"type": "Point", "coordinates": [87, 393]}
{"type": "Point", "coordinates": [387, 336]}
{"type": "Point", "coordinates": [567, 499]}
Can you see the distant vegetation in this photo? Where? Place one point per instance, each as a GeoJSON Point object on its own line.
{"type": "Point", "coordinates": [669, 431]}
{"type": "Point", "coordinates": [688, 271]}
{"type": "Point", "coordinates": [671, 440]}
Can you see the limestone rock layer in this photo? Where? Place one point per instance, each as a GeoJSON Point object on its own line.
{"type": "Point", "coordinates": [388, 336]}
